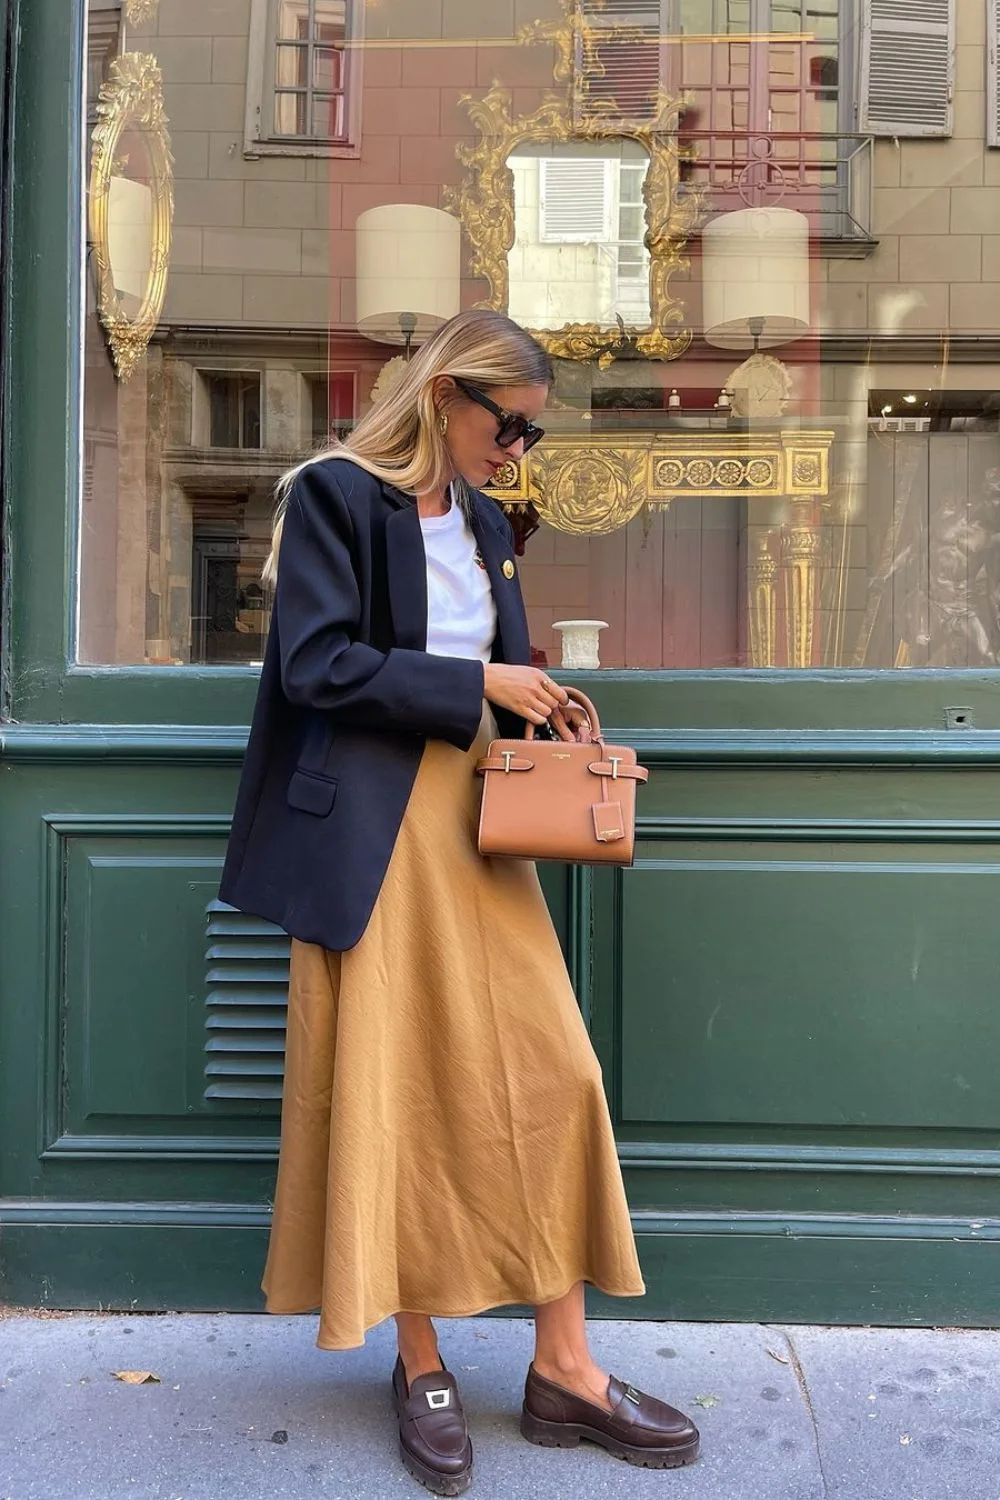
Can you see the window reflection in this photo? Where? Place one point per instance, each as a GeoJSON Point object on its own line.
{"type": "Point", "coordinates": [808, 485]}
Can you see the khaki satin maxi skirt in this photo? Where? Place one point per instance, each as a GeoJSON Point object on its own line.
{"type": "Point", "coordinates": [446, 1145]}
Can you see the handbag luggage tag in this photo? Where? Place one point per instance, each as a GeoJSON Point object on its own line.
{"type": "Point", "coordinates": [609, 819]}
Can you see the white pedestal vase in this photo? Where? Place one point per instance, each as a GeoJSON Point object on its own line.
{"type": "Point", "coordinates": [580, 642]}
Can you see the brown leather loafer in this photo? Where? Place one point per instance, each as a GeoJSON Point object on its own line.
{"type": "Point", "coordinates": [433, 1437]}
{"type": "Point", "coordinates": [640, 1429]}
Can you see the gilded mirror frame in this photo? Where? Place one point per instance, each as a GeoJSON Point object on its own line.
{"type": "Point", "coordinates": [131, 96]}
{"type": "Point", "coordinates": [485, 205]}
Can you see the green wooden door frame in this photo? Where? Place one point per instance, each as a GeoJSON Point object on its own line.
{"type": "Point", "coordinates": [749, 767]}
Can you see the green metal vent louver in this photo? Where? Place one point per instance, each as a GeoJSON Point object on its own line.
{"type": "Point", "coordinates": [247, 1003]}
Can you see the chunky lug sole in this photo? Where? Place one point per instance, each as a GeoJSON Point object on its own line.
{"type": "Point", "coordinates": [432, 1479]}
{"type": "Point", "coordinates": [570, 1434]}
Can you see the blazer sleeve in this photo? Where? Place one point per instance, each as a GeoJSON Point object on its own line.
{"type": "Point", "coordinates": [318, 612]}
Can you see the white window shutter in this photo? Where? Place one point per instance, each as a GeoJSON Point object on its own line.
{"type": "Point", "coordinates": [624, 12]}
{"type": "Point", "coordinates": [630, 57]}
{"type": "Point", "coordinates": [907, 67]}
{"type": "Point", "coordinates": [575, 199]}
{"type": "Point", "coordinates": [993, 75]}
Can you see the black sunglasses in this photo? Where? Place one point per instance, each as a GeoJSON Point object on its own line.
{"type": "Point", "coordinates": [512, 424]}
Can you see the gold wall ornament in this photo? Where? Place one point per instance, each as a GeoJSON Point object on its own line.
{"type": "Point", "coordinates": [485, 205]}
{"type": "Point", "coordinates": [131, 99]}
{"type": "Point", "coordinates": [596, 483]}
{"type": "Point", "coordinates": [590, 491]}
{"type": "Point", "coordinates": [138, 12]}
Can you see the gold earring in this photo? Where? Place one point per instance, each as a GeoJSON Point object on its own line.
{"type": "Point", "coordinates": [443, 423]}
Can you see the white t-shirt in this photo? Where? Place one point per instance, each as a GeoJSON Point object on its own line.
{"type": "Point", "coordinates": [461, 614]}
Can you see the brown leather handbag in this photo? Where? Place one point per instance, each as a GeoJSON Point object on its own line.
{"type": "Point", "coordinates": [550, 799]}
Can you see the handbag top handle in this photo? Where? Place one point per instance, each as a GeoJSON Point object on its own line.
{"type": "Point", "coordinates": [575, 697]}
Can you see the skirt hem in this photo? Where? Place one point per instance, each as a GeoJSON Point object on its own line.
{"type": "Point", "coordinates": [505, 1299]}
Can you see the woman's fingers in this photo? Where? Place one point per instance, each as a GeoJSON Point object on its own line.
{"type": "Point", "coordinates": [559, 724]}
{"type": "Point", "coordinates": [558, 694]}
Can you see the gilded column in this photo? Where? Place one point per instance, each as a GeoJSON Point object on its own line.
{"type": "Point", "coordinates": [763, 600]}
{"type": "Point", "coordinates": [800, 559]}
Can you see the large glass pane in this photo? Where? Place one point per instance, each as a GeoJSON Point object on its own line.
{"type": "Point", "coordinates": [773, 434]}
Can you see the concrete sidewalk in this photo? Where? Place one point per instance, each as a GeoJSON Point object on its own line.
{"type": "Point", "coordinates": [248, 1409]}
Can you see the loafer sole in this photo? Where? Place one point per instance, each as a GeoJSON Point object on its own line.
{"type": "Point", "coordinates": [571, 1434]}
{"type": "Point", "coordinates": [435, 1480]}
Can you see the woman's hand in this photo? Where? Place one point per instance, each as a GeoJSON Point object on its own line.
{"type": "Point", "coordinates": [525, 691]}
{"type": "Point", "coordinates": [571, 723]}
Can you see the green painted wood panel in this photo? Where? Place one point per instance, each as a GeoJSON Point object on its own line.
{"type": "Point", "coordinates": [802, 986]}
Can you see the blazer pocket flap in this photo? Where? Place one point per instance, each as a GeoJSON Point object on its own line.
{"type": "Point", "coordinates": [311, 793]}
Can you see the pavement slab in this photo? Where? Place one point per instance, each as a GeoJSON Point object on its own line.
{"type": "Point", "coordinates": [246, 1408]}
{"type": "Point", "coordinates": [905, 1412]}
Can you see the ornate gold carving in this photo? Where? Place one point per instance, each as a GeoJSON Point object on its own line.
{"type": "Point", "coordinates": [132, 98]}
{"type": "Point", "coordinates": [668, 474]}
{"type": "Point", "coordinates": [763, 601]}
{"type": "Point", "coordinates": [138, 12]}
{"type": "Point", "coordinates": [806, 471]}
{"type": "Point", "coordinates": [590, 490]}
{"type": "Point", "coordinates": [485, 205]}
{"type": "Point", "coordinates": [730, 473]}
{"type": "Point", "coordinates": [595, 484]}
{"type": "Point", "coordinates": [510, 483]}
{"type": "Point", "coordinates": [760, 472]}
{"type": "Point", "coordinates": [800, 556]}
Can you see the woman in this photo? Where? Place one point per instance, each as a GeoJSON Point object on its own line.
{"type": "Point", "coordinates": [446, 1144]}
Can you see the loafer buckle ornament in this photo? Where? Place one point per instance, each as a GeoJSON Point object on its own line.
{"type": "Point", "coordinates": [438, 1400]}
{"type": "Point", "coordinates": [631, 1394]}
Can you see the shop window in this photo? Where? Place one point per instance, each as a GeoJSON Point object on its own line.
{"type": "Point", "coordinates": [232, 409]}
{"type": "Point", "coordinates": [933, 411]}
{"type": "Point", "coordinates": [331, 406]}
{"type": "Point", "coordinates": [304, 77]}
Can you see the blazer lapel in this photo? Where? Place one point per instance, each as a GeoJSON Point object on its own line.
{"type": "Point", "coordinates": [512, 625]}
{"type": "Point", "coordinates": [406, 565]}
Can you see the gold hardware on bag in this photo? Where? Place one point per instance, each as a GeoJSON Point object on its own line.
{"type": "Point", "coordinates": [507, 756]}
{"type": "Point", "coordinates": [614, 761]}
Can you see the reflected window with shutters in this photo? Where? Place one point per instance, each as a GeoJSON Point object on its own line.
{"type": "Point", "coordinates": [304, 75]}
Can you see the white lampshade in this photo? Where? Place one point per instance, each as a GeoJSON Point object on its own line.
{"type": "Point", "coordinates": [408, 263]}
{"type": "Point", "coordinates": [755, 264]}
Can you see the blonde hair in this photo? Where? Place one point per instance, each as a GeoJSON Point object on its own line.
{"type": "Point", "coordinates": [400, 439]}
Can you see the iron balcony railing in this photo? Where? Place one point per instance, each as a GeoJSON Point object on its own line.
{"type": "Point", "coordinates": [827, 177]}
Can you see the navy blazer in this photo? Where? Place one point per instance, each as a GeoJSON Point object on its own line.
{"type": "Point", "coordinates": [348, 698]}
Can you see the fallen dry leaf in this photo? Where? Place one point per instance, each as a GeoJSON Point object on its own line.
{"type": "Point", "coordinates": [781, 1358]}
{"type": "Point", "coordinates": [136, 1377]}
{"type": "Point", "coordinates": [707, 1400]}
